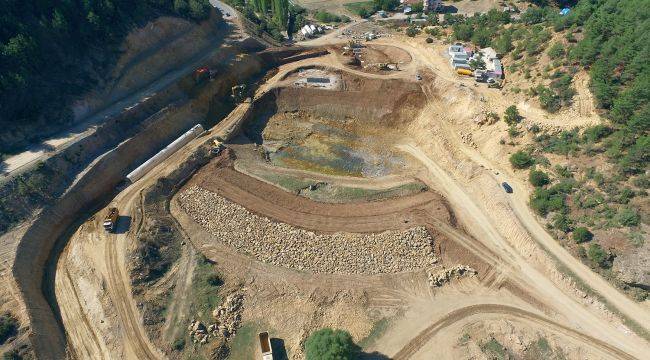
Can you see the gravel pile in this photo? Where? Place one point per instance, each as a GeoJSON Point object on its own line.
{"type": "Point", "coordinates": [285, 245]}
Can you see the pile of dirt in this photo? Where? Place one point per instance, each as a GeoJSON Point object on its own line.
{"type": "Point", "coordinates": [284, 245]}
{"type": "Point", "coordinates": [446, 275]}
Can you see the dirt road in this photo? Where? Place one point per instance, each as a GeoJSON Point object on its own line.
{"type": "Point", "coordinates": [480, 224]}
{"type": "Point", "coordinates": [503, 310]}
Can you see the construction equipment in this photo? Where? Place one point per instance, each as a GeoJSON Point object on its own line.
{"type": "Point", "coordinates": [201, 74]}
{"type": "Point", "coordinates": [111, 219]}
{"type": "Point", "coordinates": [480, 75]}
{"type": "Point", "coordinates": [388, 66]}
{"type": "Point", "coordinates": [462, 71]}
{"type": "Point", "coordinates": [239, 92]}
{"type": "Point", "coordinates": [217, 147]}
{"type": "Point", "coordinates": [265, 344]}
{"type": "Point", "coordinates": [494, 84]}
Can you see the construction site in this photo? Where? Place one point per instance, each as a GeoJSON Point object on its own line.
{"type": "Point", "coordinates": [330, 184]}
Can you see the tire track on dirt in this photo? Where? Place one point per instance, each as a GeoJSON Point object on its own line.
{"type": "Point", "coordinates": [121, 298]}
{"type": "Point", "coordinates": [455, 316]}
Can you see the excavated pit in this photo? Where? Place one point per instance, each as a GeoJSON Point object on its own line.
{"type": "Point", "coordinates": [335, 123]}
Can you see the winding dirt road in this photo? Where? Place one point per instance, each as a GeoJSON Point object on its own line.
{"type": "Point", "coordinates": [509, 311]}
{"type": "Point", "coordinates": [479, 223]}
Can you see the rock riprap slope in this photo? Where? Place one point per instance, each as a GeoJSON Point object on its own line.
{"type": "Point", "coordinates": [288, 246]}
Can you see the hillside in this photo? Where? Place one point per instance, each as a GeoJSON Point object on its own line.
{"type": "Point", "coordinates": [591, 183]}
{"type": "Point", "coordinates": [52, 51]}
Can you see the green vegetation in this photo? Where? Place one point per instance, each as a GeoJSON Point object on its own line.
{"type": "Point", "coordinates": [596, 254]}
{"type": "Point", "coordinates": [328, 344]}
{"type": "Point", "coordinates": [244, 342]}
{"type": "Point", "coordinates": [54, 50]}
{"type": "Point", "coordinates": [271, 17]}
{"type": "Point", "coordinates": [538, 178]}
{"type": "Point", "coordinates": [386, 5]}
{"type": "Point", "coordinates": [541, 349]}
{"type": "Point", "coordinates": [464, 339]}
{"type": "Point", "coordinates": [324, 16]}
{"type": "Point", "coordinates": [546, 200]}
{"type": "Point", "coordinates": [363, 8]}
{"type": "Point", "coordinates": [205, 289]}
{"type": "Point", "coordinates": [511, 116]}
{"type": "Point", "coordinates": [412, 31]}
{"type": "Point", "coordinates": [178, 344]}
{"type": "Point", "coordinates": [521, 160]}
{"type": "Point", "coordinates": [278, 9]}
{"type": "Point", "coordinates": [582, 234]}
{"type": "Point", "coordinates": [8, 327]}
{"type": "Point", "coordinates": [12, 355]}
{"type": "Point", "coordinates": [494, 350]}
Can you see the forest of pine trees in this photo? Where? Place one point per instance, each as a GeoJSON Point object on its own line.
{"type": "Point", "coordinates": [50, 49]}
{"type": "Point", "coordinates": [279, 10]}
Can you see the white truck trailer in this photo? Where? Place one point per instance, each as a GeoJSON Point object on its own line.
{"type": "Point", "coordinates": [163, 154]}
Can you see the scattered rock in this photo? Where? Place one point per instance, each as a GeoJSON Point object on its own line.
{"type": "Point", "coordinates": [288, 246]}
{"type": "Point", "coordinates": [440, 278]}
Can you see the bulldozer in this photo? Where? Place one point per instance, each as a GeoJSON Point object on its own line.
{"type": "Point", "coordinates": [238, 93]}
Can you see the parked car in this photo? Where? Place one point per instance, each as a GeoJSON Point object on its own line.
{"type": "Point", "coordinates": [507, 187]}
{"type": "Point", "coordinates": [418, 77]}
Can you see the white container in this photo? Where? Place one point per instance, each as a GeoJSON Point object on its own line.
{"type": "Point", "coordinates": [163, 154]}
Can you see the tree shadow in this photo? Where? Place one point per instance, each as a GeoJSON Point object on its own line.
{"type": "Point", "coordinates": [279, 350]}
{"type": "Point", "coordinates": [123, 224]}
{"type": "Point", "coordinates": [448, 9]}
{"type": "Point", "coordinates": [375, 355]}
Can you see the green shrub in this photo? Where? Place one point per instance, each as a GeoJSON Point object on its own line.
{"type": "Point", "coordinates": [386, 5]}
{"type": "Point", "coordinates": [8, 327]}
{"type": "Point", "coordinates": [596, 254]}
{"type": "Point", "coordinates": [628, 217]}
{"type": "Point", "coordinates": [411, 31]}
{"type": "Point", "coordinates": [582, 234]}
{"type": "Point", "coordinates": [12, 355]}
{"type": "Point", "coordinates": [324, 16]}
{"type": "Point", "coordinates": [513, 132]}
{"type": "Point", "coordinates": [548, 99]}
{"type": "Point", "coordinates": [562, 222]}
{"type": "Point", "coordinates": [521, 160]}
{"type": "Point", "coordinates": [328, 344]}
{"type": "Point", "coordinates": [556, 50]}
{"type": "Point", "coordinates": [544, 201]}
{"type": "Point", "coordinates": [538, 178]}
{"type": "Point", "coordinates": [511, 116]}
{"type": "Point", "coordinates": [178, 344]}
{"type": "Point", "coordinates": [596, 133]}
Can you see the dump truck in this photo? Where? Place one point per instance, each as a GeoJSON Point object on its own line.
{"type": "Point", "coordinates": [265, 345]}
{"type": "Point", "coordinates": [111, 219]}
